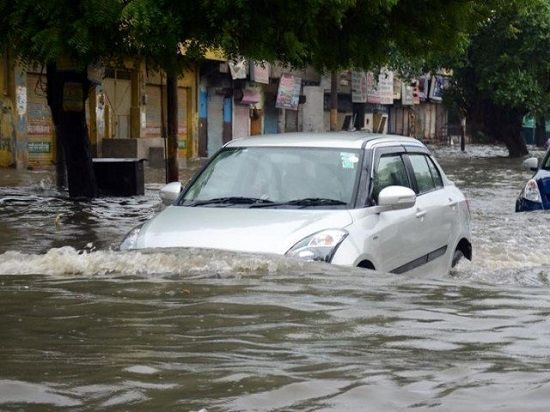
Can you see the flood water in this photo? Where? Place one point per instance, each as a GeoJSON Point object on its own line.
{"type": "Point", "coordinates": [84, 327]}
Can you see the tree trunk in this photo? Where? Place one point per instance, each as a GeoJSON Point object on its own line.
{"type": "Point", "coordinates": [60, 168]}
{"type": "Point", "coordinates": [67, 91]}
{"type": "Point", "coordinates": [540, 131]}
{"type": "Point", "coordinates": [505, 125]}
{"type": "Point", "coordinates": [172, 127]}
{"type": "Point", "coordinates": [463, 134]}
{"type": "Point", "coordinates": [334, 100]}
{"type": "Point", "coordinates": [500, 123]}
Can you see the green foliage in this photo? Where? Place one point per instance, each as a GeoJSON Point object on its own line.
{"type": "Point", "coordinates": [508, 60]}
{"type": "Point", "coordinates": [329, 34]}
{"type": "Point", "coordinates": [340, 34]}
{"type": "Point", "coordinates": [42, 31]}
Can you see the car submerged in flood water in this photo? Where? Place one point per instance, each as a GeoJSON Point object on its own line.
{"type": "Point", "coordinates": [351, 198]}
{"type": "Point", "coordinates": [536, 193]}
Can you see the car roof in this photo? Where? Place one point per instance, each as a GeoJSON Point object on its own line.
{"type": "Point", "coordinates": [347, 140]}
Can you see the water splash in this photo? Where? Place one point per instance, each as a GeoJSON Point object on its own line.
{"type": "Point", "coordinates": [67, 261]}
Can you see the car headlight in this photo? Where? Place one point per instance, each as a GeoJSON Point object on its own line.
{"type": "Point", "coordinates": [130, 240]}
{"type": "Point", "coordinates": [320, 246]}
{"type": "Point", "coordinates": [531, 192]}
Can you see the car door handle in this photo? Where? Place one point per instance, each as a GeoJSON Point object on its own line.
{"type": "Point", "coordinates": [452, 203]}
{"type": "Point", "coordinates": [420, 213]}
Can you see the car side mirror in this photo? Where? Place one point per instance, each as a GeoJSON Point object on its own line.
{"type": "Point", "coordinates": [396, 198]}
{"type": "Point", "coordinates": [531, 164]}
{"type": "Point", "coordinates": [169, 193]}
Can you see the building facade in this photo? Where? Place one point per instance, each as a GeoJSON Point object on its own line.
{"type": "Point", "coordinates": [218, 100]}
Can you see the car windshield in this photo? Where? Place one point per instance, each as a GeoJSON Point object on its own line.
{"type": "Point", "coordinates": [276, 177]}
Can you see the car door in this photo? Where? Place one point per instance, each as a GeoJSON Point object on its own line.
{"type": "Point", "coordinates": [435, 209]}
{"type": "Point", "coordinates": [394, 234]}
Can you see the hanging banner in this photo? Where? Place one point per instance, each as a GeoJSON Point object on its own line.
{"type": "Point", "coordinates": [407, 98]}
{"type": "Point", "coordinates": [21, 100]}
{"type": "Point", "coordinates": [358, 87]}
{"type": "Point", "coordinates": [259, 72]}
{"type": "Point", "coordinates": [238, 69]}
{"type": "Point", "coordinates": [372, 89]}
{"type": "Point", "coordinates": [288, 94]}
{"type": "Point", "coordinates": [423, 86]}
{"type": "Point", "coordinates": [385, 87]}
{"type": "Point", "coordinates": [437, 88]}
{"type": "Point", "coordinates": [396, 88]}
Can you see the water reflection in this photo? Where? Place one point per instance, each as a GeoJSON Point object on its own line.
{"type": "Point", "coordinates": [193, 329]}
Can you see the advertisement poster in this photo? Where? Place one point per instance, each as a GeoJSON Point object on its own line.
{"type": "Point", "coordinates": [396, 88]}
{"type": "Point", "coordinates": [358, 87]}
{"type": "Point", "coordinates": [238, 69]}
{"type": "Point", "coordinates": [372, 89]}
{"type": "Point", "coordinates": [259, 72]}
{"type": "Point", "coordinates": [21, 100]}
{"type": "Point", "coordinates": [437, 88]}
{"type": "Point", "coordinates": [385, 87]}
{"type": "Point", "coordinates": [423, 86]}
{"type": "Point", "coordinates": [407, 98]}
{"type": "Point", "coordinates": [288, 94]}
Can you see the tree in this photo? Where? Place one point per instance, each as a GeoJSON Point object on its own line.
{"type": "Point", "coordinates": [342, 34]}
{"type": "Point", "coordinates": [329, 34]}
{"type": "Point", "coordinates": [505, 73]}
{"type": "Point", "coordinates": [66, 36]}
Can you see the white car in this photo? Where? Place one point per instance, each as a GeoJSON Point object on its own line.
{"type": "Point", "coordinates": [351, 198]}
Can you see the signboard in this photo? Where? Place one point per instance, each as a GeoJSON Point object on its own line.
{"type": "Point", "coordinates": [407, 98]}
{"type": "Point", "coordinates": [385, 87]}
{"type": "Point", "coordinates": [259, 72]}
{"type": "Point", "coordinates": [396, 88]}
{"type": "Point", "coordinates": [372, 89]}
{"type": "Point", "coordinates": [39, 147]}
{"type": "Point", "coordinates": [288, 93]}
{"type": "Point", "coordinates": [358, 87]}
{"type": "Point", "coordinates": [423, 85]}
{"type": "Point", "coordinates": [437, 88]}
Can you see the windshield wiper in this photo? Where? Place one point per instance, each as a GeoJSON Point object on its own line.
{"type": "Point", "coordinates": [305, 202]}
{"type": "Point", "coordinates": [231, 200]}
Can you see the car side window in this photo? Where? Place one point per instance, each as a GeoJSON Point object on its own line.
{"type": "Point", "coordinates": [436, 176]}
{"type": "Point", "coordinates": [422, 173]}
{"type": "Point", "coordinates": [390, 171]}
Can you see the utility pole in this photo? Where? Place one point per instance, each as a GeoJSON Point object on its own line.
{"type": "Point", "coordinates": [463, 134]}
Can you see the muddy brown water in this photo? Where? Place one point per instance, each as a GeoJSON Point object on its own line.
{"type": "Point", "coordinates": [84, 327]}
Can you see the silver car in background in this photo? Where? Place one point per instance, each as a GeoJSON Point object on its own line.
{"type": "Point", "coordinates": [352, 198]}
